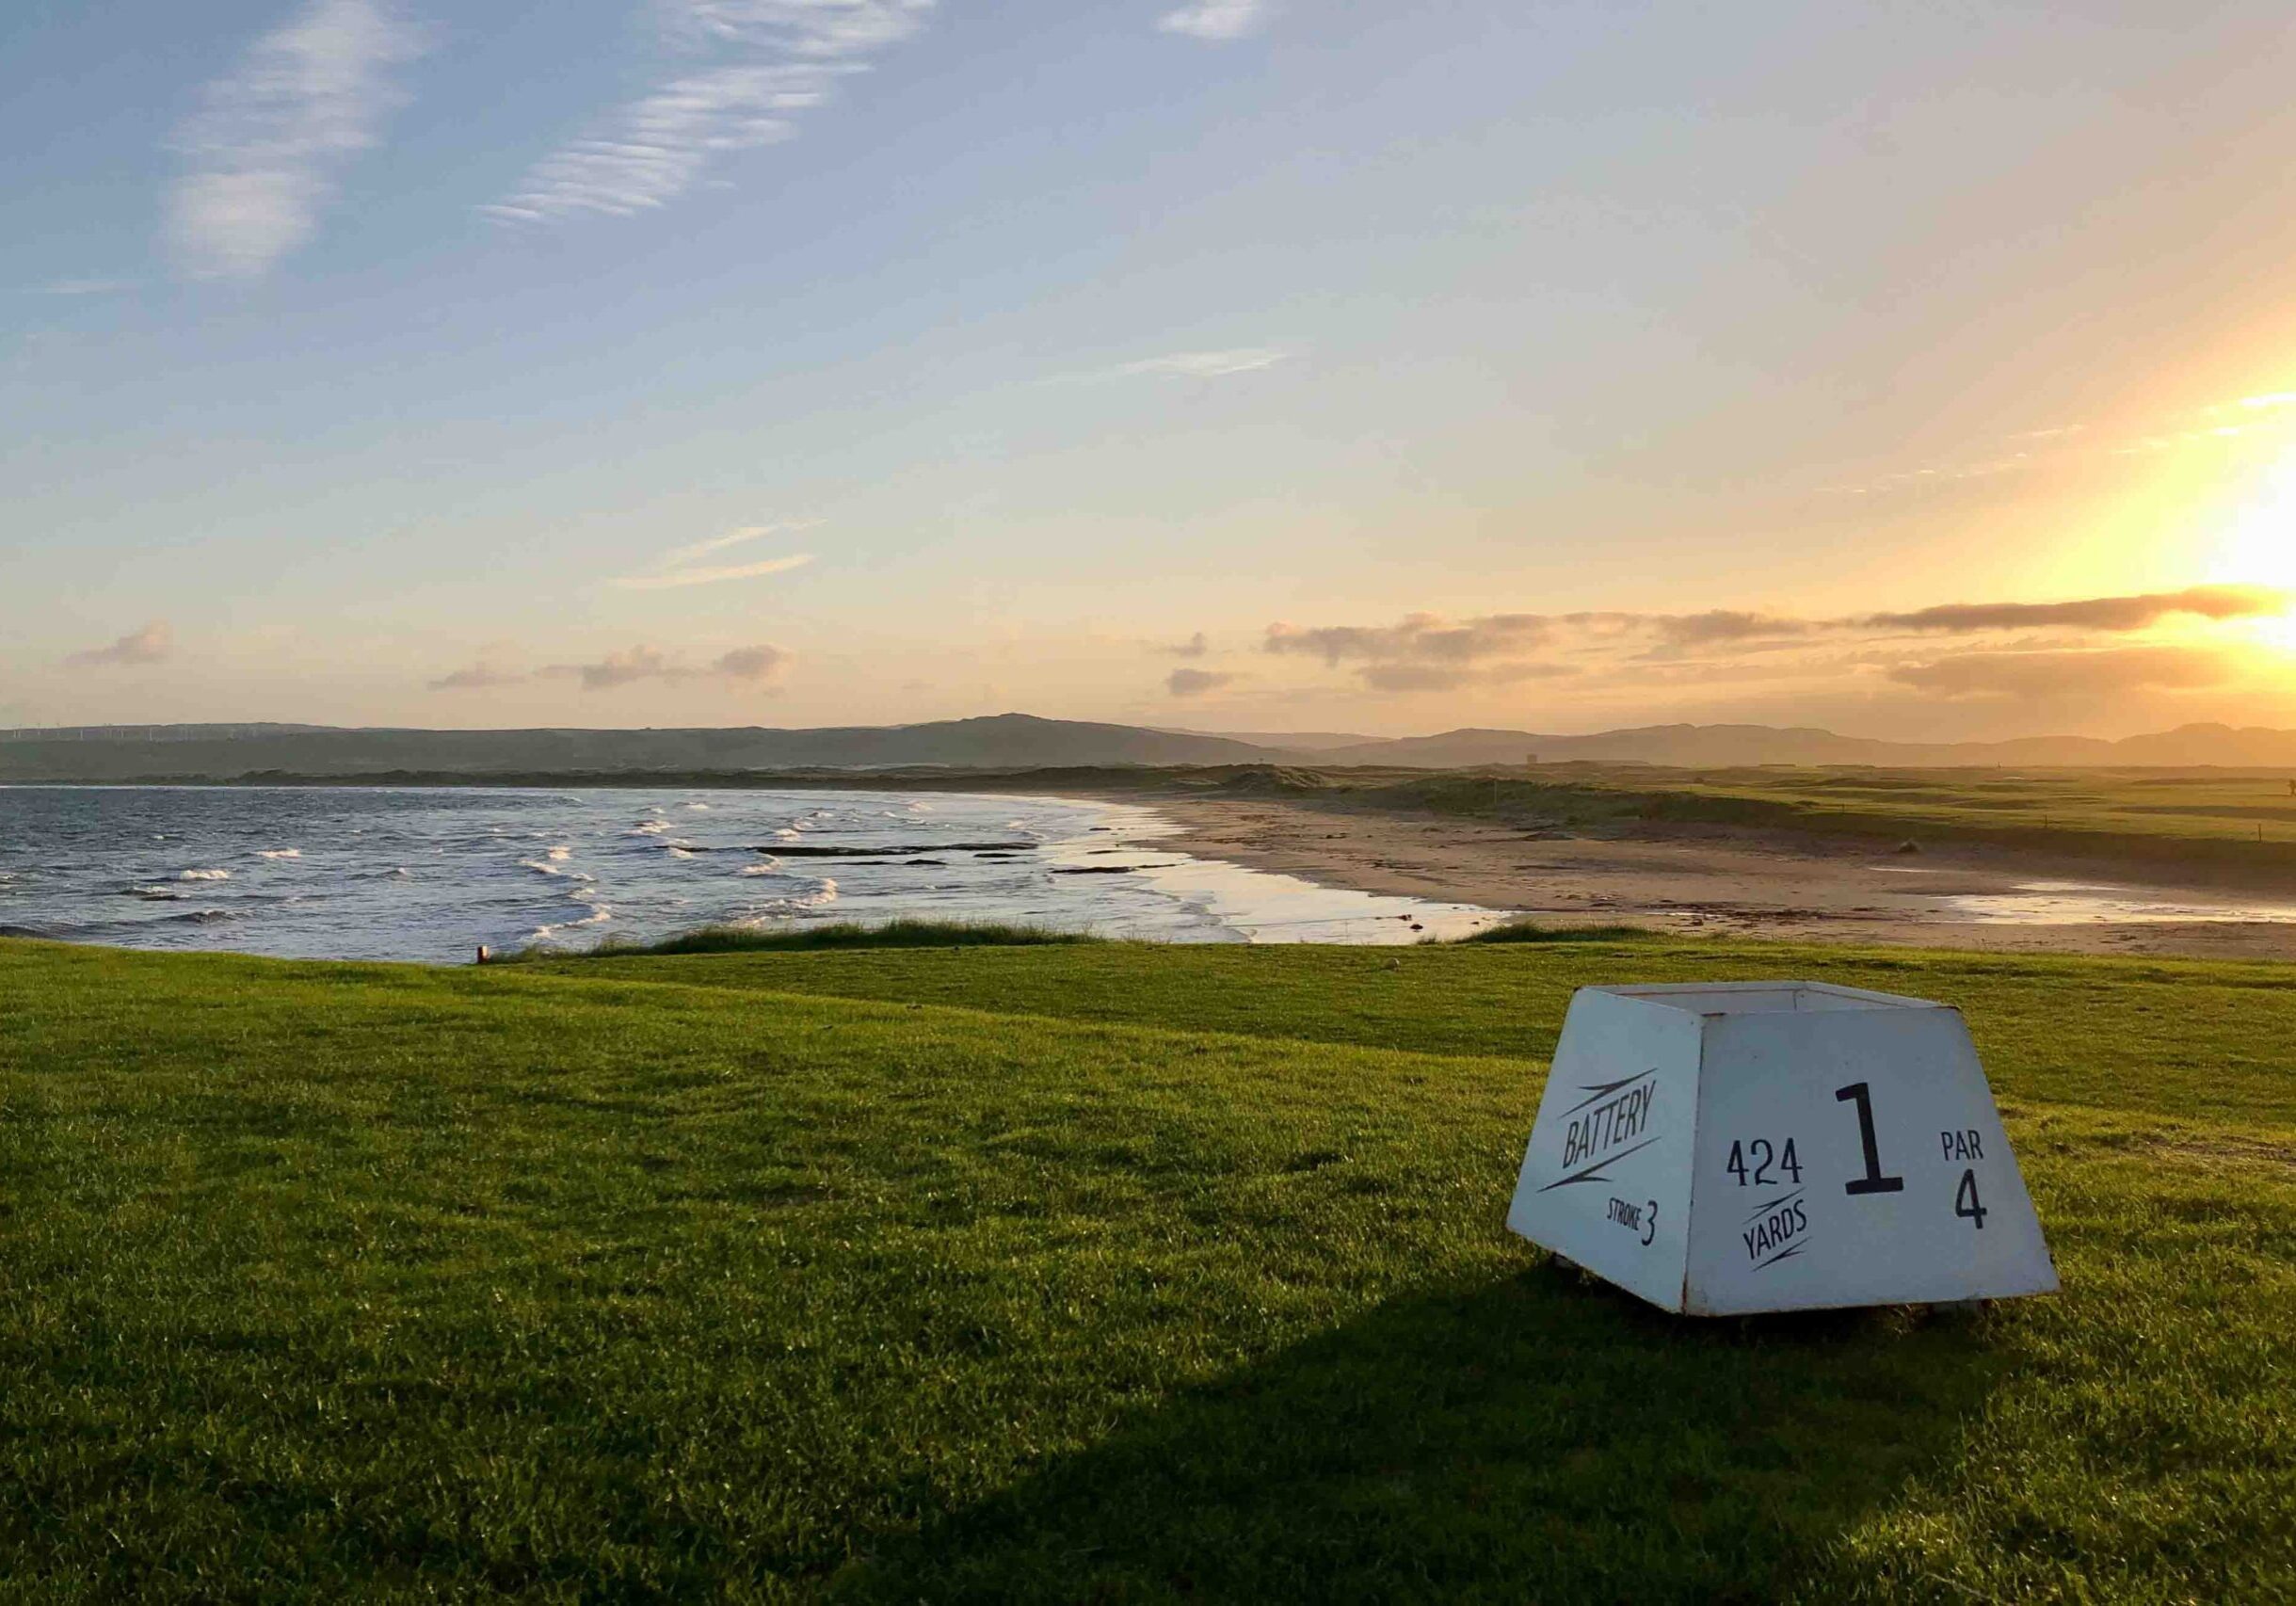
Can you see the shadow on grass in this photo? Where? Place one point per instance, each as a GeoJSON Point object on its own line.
{"type": "Point", "coordinates": [898, 933]}
{"type": "Point", "coordinates": [1539, 1437]}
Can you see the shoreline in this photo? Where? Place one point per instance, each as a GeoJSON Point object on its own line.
{"type": "Point", "coordinates": [1720, 881]}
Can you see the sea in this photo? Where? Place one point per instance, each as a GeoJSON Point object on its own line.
{"type": "Point", "coordinates": [429, 873]}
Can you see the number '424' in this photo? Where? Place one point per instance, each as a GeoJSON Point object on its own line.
{"type": "Point", "coordinates": [1771, 1165]}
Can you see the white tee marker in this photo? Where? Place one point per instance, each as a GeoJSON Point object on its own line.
{"type": "Point", "coordinates": [1729, 1147]}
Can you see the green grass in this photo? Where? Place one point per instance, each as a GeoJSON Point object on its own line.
{"type": "Point", "coordinates": [1093, 1272]}
{"type": "Point", "coordinates": [2229, 821]}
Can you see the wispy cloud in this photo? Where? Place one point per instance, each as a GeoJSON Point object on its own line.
{"type": "Point", "coordinates": [734, 537]}
{"type": "Point", "coordinates": [1195, 682]}
{"type": "Point", "coordinates": [1429, 653]}
{"type": "Point", "coordinates": [712, 576]}
{"type": "Point", "coordinates": [2089, 613]}
{"type": "Point", "coordinates": [1195, 647]}
{"type": "Point", "coordinates": [756, 65]}
{"type": "Point", "coordinates": [153, 643]}
{"type": "Point", "coordinates": [1217, 20]}
{"type": "Point", "coordinates": [270, 137]}
{"type": "Point", "coordinates": [677, 567]}
{"type": "Point", "coordinates": [754, 664]}
{"type": "Point", "coordinates": [478, 677]}
{"type": "Point", "coordinates": [2090, 672]}
{"type": "Point", "coordinates": [1202, 364]}
{"type": "Point", "coordinates": [81, 288]}
{"type": "Point", "coordinates": [643, 663]}
{"type": "Point", "coordinates": [2263, 413]}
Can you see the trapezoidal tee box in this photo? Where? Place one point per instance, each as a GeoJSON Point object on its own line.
{"type": "Point", "coordinates": [1730, 1148]}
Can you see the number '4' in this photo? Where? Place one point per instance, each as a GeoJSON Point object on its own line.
{"type": "Point", "coordinates": [1965, 1202]}
{"type": "Point", "coordinates": [1789, 1162]}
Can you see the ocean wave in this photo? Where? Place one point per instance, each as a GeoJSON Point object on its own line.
{"type": "Point", "coordinates": [824, 892]}
{"type": "Point", "coordinates": [598, 915]}
{"type": "Point", "coordinates": [182, 917]}
{"type": "Point", "coordinates": [771, 867]}
{"type": "Point", "coordinates": [203, 875]}
{"type": "Point", "coordinates": [652, 827]}
{"type": "Point", "coordinates": [699, 808]}
{"type": "Point", "coordinates": [553, 862]}
{"type": "Point", "coordinates": [279, 853]}
{"type": "Point", "coordinates": [155, 894]}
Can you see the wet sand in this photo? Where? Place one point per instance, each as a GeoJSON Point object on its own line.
{"type": "Point", "coordinates": [1717, 880]}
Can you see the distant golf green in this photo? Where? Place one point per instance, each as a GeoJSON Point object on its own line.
{"type": "Point", "coordinates": [1075, 1272]}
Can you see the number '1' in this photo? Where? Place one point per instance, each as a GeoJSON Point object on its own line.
{"type": "Point", "coordinates": [1872, 1182]}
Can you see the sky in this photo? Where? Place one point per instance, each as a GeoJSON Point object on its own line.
{"type": "Point", "coordinates": [1920, 370]}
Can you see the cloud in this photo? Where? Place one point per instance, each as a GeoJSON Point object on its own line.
{"type": "Point", "coordinates": [2099, 671]}
{"type": "Point", "coordinates": [2068, 442]}
{"type": "Point", "coordinates": [1195, 682]}
{"type": "Point", "coordinates": [1195, 647]}
{"type": "Point", "coordinates": [750, 664]}
{"type": "Point", "coordinates": [676, 565]}
{"type": "Point", "coordinates": [2094, 613]}
{"type": "Point", "coordinates": [1721, 624]}
{"type": "Point", "coordinates": [1443, 678]}
{"type": "Point", "coordinates": [1216, 19]}
{"type": "Point", "coordinates": [270, 137]}
{"type": "Point", "coordinates": [640, 663]}
{"type": "Point", "coordinates": [712, 576]}
{"type": "Point", "coordinates": [760, 65]}
{"type": "Point", "coordinates": [81, 288]}
{"type": "Point", "coordinates": [150, 645]}
{"type": "Point", "coordinates": [476, 677]}
{"type": "Point", "coordinates": [759, 663]}
{"type": "Point", "coordinates": [1202, 364]}
{"type": "Point", "coordinates": [1419, 637]}
{"type": "Point", "coordinates": [734, 537]}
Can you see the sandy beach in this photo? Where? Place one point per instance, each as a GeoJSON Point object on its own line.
{"type": "Point", "coordinates": [1717, 880]}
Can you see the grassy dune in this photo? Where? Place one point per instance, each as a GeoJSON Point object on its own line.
{"type": "Point", "coordinates": [2231, 823]}
{"type": "Point", "coordinates": [1073, 1272]}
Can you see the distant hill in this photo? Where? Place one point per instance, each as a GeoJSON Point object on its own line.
{"type": "Point", "coordinates": [1694, 746]}
{"type": "Point", "coordinates": [1020, 741]}
{"type": "Point", "coordinates": [1004, 741]}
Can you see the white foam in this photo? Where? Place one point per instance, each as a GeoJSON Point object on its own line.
{"type": "Point", "coordinates": [279, 853]}
{"type": "Point", "coordinates": [598, 915]}
{"type": "Point", "coordinates": [203, 875]}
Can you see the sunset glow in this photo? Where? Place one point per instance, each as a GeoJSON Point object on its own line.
{"type": "Point", "coordinates": [2261, 550]}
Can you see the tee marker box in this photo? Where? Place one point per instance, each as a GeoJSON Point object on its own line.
{"type": "Point", "coordinates": [1725, 1149]}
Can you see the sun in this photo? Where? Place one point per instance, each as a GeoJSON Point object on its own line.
{"type": "Point", "coordinates": [2259, 549]}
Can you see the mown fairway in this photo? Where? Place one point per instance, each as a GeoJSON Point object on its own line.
{"type": "Point", "coordinates": [1096, 1272]}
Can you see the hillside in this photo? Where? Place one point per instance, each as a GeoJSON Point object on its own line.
{"type": "Point", "coordinates": [1002, 741]}
{"type": "Point", "coordinates": [1020, 741]}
